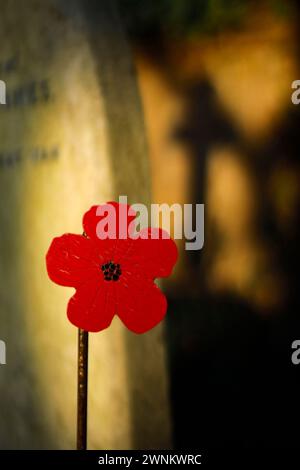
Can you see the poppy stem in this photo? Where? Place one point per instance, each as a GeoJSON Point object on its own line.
{"type": "Point", "coordinates": [83, 343]}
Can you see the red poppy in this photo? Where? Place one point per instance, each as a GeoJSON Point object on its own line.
{"type": "Point", "coordinates": [113, 276]}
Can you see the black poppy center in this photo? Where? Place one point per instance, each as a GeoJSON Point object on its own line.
{"type": "Point", "coordinates": [111, 271]}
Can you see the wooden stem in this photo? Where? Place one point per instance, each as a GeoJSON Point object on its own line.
{"type": "Point", "coordinates": [82, 390]}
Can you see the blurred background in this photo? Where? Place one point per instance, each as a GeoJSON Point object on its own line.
{"type": "Point", "coordinates": [196, 105]}
{"type": "Point", "coordinates": [215, 79]}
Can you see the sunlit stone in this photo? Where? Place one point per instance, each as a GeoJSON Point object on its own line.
{"type": "Point", "coordinates": [70, 136]}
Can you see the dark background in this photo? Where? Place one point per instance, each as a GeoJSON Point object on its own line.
{"type": "Point", "coordinates": [232, 379]}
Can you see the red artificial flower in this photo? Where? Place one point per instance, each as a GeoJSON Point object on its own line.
{"type": "Point", "coordinates": [113, 276]}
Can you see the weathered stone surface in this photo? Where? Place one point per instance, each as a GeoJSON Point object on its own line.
{"type": "Point", "coordinates": [71, 135]}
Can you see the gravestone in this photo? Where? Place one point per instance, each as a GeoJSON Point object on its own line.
{"type": "Point", "coordinates": [71, 135]}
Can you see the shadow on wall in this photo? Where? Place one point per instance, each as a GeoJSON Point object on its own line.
{"type": "Point", "coordinates": [232, 380]}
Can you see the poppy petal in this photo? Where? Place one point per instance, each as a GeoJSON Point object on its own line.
{"type": "Point", "coordinates": [92, 307]}
{"type": "Point", "coordinates": [140, 304]}
{"type": "Point", "coordinates": [153, 253]}
{"type": "Point", "coordinates": [115, 217]}
{"type": "Point", "coordinates": [71, 260]}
